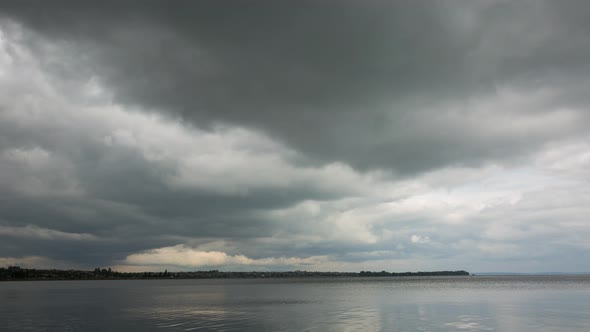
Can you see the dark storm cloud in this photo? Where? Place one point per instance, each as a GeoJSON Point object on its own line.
{"type": "Point", "coordinates": [336, 80]}
{"type": "Point", "coordinates": [233, 125]}
{"type": "Point", "coordinates": [126, 205]}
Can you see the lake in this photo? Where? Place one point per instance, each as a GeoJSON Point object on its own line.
{"type": "Point", "coordinates": [478, 303]}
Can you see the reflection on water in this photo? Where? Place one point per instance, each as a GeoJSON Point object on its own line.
{"type": "Point", "coordinates": [470, 323]}
{"type": "Point", "coordinates": [391, 304]}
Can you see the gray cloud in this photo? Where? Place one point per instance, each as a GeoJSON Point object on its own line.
{"type": "Point", "coordinates": [339, 135]}
{"type": "Point", "coordinates": [338, 81]}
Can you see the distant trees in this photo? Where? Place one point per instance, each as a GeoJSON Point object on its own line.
{"type": "Point", "coordinates": [18, 273]}
{"type": "Point", "coordinates": [13, 272]}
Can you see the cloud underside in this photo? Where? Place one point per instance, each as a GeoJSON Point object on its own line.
{"type": "Point", "coordinates": [343, 136]}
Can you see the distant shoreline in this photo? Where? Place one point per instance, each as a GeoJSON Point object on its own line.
{"type": "Point", "coordinates": [524, 274]}
{"type": "Point", "coordinates": [14, 273]}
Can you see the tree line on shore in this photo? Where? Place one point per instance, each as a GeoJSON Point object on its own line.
{"type": "Point", "coordinates": [18, 273]}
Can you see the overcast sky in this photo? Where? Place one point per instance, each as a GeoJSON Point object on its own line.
{"type": "Point", "coordinates": [283, 135]}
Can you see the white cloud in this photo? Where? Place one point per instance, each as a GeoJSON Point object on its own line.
{"type": "Point", "coordinates": [569, 160]}
{"type": "Point", "coordinates": [420, 239]}
{"type": "Point", "coordinates": [183, 256]}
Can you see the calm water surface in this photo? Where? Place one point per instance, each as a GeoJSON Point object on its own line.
{"type": "Point", "coordinates": [521, 303]}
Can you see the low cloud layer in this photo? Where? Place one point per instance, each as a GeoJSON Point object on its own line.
{"type": "Point", "coordinates": [182, 256]}
{"type": "Point", "coordinates": [334, 136]}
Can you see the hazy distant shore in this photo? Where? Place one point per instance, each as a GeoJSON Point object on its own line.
{"type": "Point", "coordinates": [17, 273]}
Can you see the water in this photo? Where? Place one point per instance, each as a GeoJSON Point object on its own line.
{"type": "Point", "coordinates": [524, 303]}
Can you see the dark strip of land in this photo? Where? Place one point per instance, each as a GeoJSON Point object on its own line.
{"type": "Point", "coordinates": [17, 273]}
